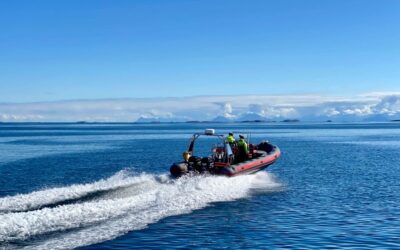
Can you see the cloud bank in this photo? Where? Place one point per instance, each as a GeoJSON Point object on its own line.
{"type": "Point", "coordinates": [366, 107]}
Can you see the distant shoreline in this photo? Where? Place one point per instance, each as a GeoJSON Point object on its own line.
{"type": "Point", "coordinates": [208, 122]}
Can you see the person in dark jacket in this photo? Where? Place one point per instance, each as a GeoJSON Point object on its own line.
{"type": "Point", "coordinates": [243, 149]}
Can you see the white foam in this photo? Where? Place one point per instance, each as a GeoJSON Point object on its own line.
{"type": "Point", "coordinates": [34, 200]}
{"type": "Point", "coordinates": [122, 210]}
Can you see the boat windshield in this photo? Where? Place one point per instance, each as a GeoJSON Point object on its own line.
{"type": "Point", "coordinates": [206, 145]}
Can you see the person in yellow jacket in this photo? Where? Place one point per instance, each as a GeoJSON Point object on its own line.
{"type": "Point", "coordinates": [230, 139]}
{"type": "Point", "coordinates": [243, 149]}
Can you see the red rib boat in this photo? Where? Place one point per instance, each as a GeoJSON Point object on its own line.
{"type": "Point", "coordinates": [224, 159]}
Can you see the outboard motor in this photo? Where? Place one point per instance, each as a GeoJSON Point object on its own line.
{"type": "Point", "coordinates": [195, 163]}
{"type": "Point", "coordinates": [179, 168]}
{"type": "Point", "coordinates": [207, 163]}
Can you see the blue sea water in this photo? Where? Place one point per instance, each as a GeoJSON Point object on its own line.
{"type": "Point", "coordinates": [106, 186]}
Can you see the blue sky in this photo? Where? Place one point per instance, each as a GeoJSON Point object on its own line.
{"type": "Point", "coordinates": [61, 50]}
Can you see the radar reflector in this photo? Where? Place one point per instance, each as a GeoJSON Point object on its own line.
{"type": "Point", "coordinates": [209, 131]}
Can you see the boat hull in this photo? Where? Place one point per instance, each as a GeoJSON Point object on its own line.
{"type": "Point", "coordinates": [252, 165]}
{"type": "Point", "coordinates": [264, 157]}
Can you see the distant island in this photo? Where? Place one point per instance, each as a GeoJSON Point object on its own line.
{"type": "Point", "coordinates": [256, 121]}
{"type": "Point", "coordinates": [291, 120]}
{"type": "Point", "coordinates": [196, 122]}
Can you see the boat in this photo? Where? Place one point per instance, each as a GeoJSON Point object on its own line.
{"type": "Point", "coordinates": [224, 158]}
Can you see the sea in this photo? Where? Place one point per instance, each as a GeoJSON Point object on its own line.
{"type": "Point", "coordinates": [107, 186]}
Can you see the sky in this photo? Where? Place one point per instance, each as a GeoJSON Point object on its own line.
{"type": "Point", "coordinates": [57, 51]}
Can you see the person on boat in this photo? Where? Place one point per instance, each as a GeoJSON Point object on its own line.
{"type": "Point", "coordinates": [230, 138]}
{"type": "Point", "coordinates": [243, 149]}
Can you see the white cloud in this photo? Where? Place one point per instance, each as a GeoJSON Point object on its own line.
{"type": "Point", "coordinates": [388, 105]}
{"type": "Point", "coordinates": [225, 110]}
{"type": "Point", "coordinates": [304, 107]}
{"type": "Point", "coordinates": [331, 112]}
{"type": "Point", "coordinates": [256, 108]}
{"type": "Point", "coordinates": [19, 118]}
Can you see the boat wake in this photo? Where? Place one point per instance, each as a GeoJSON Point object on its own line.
{"type": "Point", "coordinates": [79, 215]}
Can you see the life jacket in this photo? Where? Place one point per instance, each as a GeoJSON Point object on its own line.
{"type": "Point", "coordinates": [243, 145]}
{"type": "Point", "coordinates": [230, 139]}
